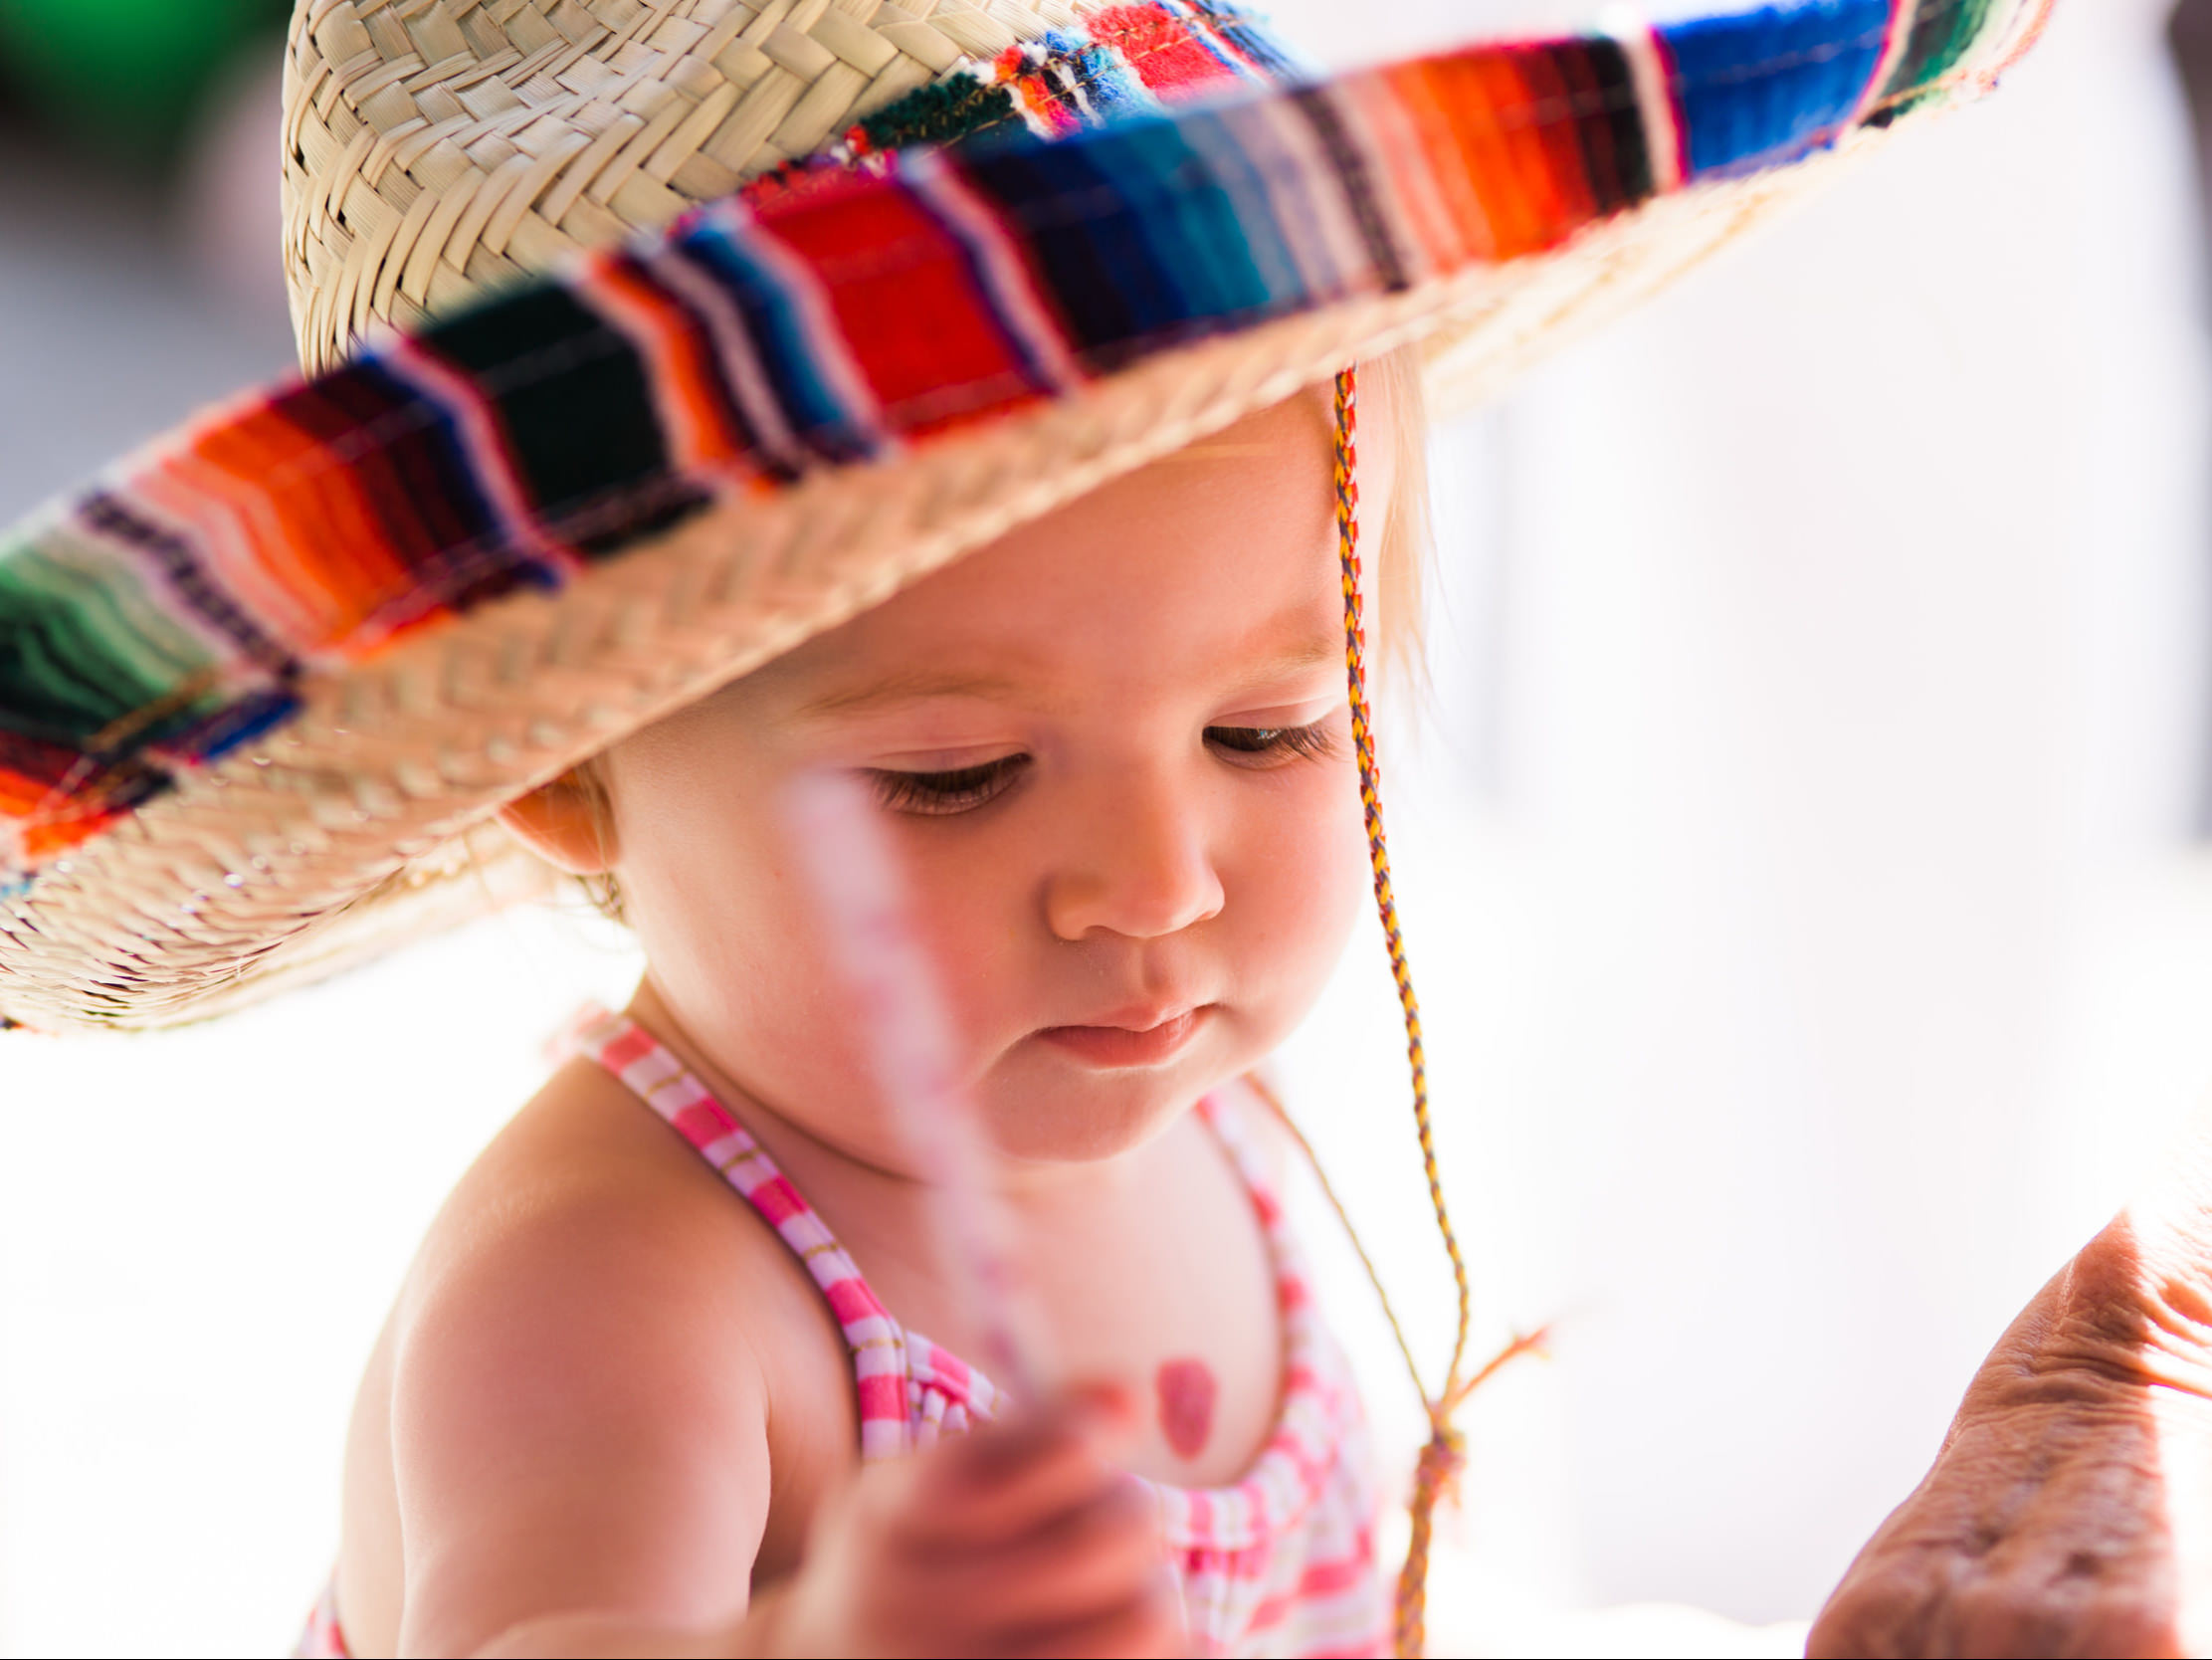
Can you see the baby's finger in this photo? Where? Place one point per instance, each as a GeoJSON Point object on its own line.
{"type": "Point", "coordinates": [1011, 1480]}
{"type": "Point", "coordinates": [1088, 1560]}
{"type": "Point", "coordinates": [1148, 1627]}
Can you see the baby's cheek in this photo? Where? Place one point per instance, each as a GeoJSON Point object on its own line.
{"type": "Point", "coordinates": [974, 904]}
{"type": "Point", "coordinates": [737, 950]}
{"type": "Point", "coordinates": [1298, 892]}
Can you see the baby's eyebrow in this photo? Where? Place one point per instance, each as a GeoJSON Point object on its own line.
{"type": "Point", "coordinates": [912, 688]}
{"type": "Point", "coordinates": [920, 685]}
{"type": "Point", "coordinates": [1310, 652]}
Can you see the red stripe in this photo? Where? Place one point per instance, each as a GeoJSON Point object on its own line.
{"type": "Point", "coordinates": [1156, 44]}
{"type": "Point", "coordinates": [624, 1051]}
{"type": "Point", "coordinates": [880, 257]}
{"type": "Point", "coordinates": [1330, 1578]}
{"type": "Point", "coordinates": [881, 1397]}
{"type": "Point", "coordinates": [32, 769]}
{"type": "Point", "coordinates": [1677, 123]}
{"type": "Point", "coordinates": [777, 1200]}
{"type": "Point", "coordinates": [1321, 1579]}
{"type": "Point", "coordinates": [851, 1300]}
{"type": "Point", "coordinates": [702, 1123]}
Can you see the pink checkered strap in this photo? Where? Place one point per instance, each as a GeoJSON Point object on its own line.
{"type": "Point", "coordinates": [889, 1363]}
{"type": "Point", "coordinates": [323, 1638]}
{"type": "Point", "coordinates": [1281, 1562]}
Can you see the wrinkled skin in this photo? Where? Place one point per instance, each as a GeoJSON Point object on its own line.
{"type": "Point", "coordinates": [2069, 1509]}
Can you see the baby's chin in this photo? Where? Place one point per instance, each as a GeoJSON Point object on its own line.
{"type": "Point", "coordinates": [1084, 1095]}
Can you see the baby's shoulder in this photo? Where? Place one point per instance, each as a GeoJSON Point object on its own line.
{"type": "Point", "coordinates": [588, 1240]}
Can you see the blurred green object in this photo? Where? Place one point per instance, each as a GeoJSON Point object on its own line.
{"type": "Point", "coordinates": [125, 75]}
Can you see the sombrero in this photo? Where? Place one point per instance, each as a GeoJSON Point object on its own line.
{"type": "Point", "coordinates": [646, 338]}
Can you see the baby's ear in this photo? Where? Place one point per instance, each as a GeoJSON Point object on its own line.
{"type": "Point", "coordinates": [566, 823]}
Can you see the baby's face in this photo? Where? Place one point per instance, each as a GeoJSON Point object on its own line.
{"type": "Point", "coordinates": [1113, 754]}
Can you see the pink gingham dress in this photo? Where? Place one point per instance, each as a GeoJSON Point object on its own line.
{"type": "Point", "coordinates": [1281, 1563]}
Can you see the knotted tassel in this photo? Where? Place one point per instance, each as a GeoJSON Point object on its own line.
{"type": "Point", "coordinates": [1436, 1477]}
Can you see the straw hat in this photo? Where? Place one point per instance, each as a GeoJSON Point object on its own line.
{"type": "Point", "coordinates": [664, 398]}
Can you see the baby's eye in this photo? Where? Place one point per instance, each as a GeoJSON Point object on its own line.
{"type": "Point", "coordinates": [933, 794]}
{"type": "Point", "coordinates": [1250, 745]}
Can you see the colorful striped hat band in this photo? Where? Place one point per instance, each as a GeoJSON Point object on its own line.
{"type": "Point", "coordinates": [624, 384]}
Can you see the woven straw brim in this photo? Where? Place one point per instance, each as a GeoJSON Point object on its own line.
{"type": "Point", "coordinates": [359, 819]}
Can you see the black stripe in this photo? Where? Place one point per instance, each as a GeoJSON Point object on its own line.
{"type": "Point", "coordinates": [1357, 184]}
{"type": "Point", "coordinates": [574, 399]}
{"type": "Point", "coordinates": [1609, 123]}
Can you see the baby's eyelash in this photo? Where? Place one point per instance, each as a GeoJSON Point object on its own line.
{"type": "Point", "coordinates": [1249, 744]}
{"type": "Point", "coordinates": [935, 794]}
{"type": "Point", "coordinates": [963, 789]}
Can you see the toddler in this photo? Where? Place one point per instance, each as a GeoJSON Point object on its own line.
{"type": "Point", "coordinates": [636, 1392]}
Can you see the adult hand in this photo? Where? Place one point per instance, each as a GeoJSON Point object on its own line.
{"type": "Point", "coordinates": [2069, 1509]}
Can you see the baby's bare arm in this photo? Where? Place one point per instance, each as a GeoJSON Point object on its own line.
{"type": "Point", "coordinates": [580, 1428]}
{"type": "Point", "coordinates": [1016, 1541]}
{"type": "Point", "coordinates": [579, 1433]}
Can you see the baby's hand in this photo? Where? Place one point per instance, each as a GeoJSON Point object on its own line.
{"type": "Point", "coordinates": [1015, 1539]}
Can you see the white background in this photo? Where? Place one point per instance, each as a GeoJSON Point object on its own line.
{"type": "Point", "coordinates": [1801, 867]}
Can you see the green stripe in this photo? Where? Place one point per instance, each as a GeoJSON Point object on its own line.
{"type": "Point", "coordinates": [84, 646]}
{"type": "Point", "coordinates": [1945, 34]}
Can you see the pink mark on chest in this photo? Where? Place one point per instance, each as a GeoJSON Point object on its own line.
{"type": "Point", "coordinates": [1187, 1392]}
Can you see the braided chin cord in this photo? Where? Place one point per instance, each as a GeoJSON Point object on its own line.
{"type": "Point", "coordinates": [1436, 1474]}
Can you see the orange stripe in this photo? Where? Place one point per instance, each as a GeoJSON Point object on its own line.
{"type": "Point", "coordinates": [314, 532]}
{"type": "Point", "coordinates": [72, 827]}
{"type": "Point", "coordinates": [1558, 136]}
{"type": "Point", "coordinates": [687, 386]}
{"type": "Point", "coordinates": [1475, 95]}
{"type": "Point", "coordinates": [1525, 163]}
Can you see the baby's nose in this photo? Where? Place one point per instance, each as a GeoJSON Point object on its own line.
{"type": "Point", "coordinates": [1142, 869]}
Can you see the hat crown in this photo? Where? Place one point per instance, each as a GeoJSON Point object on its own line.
{"type": "Point", "coordinates": [434, 148]}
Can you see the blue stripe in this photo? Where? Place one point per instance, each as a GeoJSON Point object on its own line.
{"type": "Point", "coordinates": [1208, 224]}
{"type": "Point", "coordinates": [1244, 150]}
{"type": "Point", "coordinates": [1767, 86]}
{"type": "Point", "coordinates": [208, 740]}
{"type": "Point", "coordinates": [1137, 236]}
{"type": "Point", "coordinates": [1108, 87]}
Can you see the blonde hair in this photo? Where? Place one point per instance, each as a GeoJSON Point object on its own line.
{"type": "Point", "coordinates": [1391, 393]}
